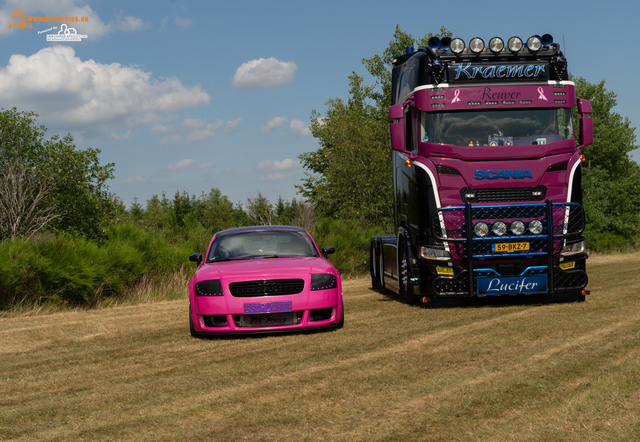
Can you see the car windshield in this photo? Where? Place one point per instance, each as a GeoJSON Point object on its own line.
{"type": "Point", "coordinates": [513, 127]}
{"type": "Point", "coordinates": [265, 244]}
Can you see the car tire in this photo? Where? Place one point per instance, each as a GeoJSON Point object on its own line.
{"type": "Point", "coordinates": [340, 323]}
{"type": "Point", "coordinates": [404, 277]}
{"type": "Point", "coordinates": [194, 333]}
{"type": "Point", "coordinates": [374, 266]}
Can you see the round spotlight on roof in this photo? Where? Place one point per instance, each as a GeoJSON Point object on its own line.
{"type": "Point", "coordinates": [445, 43]}
{"type": "Point", "coordinates": [514, 44]}
{"type": "Point", "coordinates": [534, 43]}
{"type": "Point", "coordinates": [476, 45]}
{"type": "Point", "coordinates": [457, 45]}
{"type": "Point", "coordinates": [496, 45]}
{"type": "Point", "coordinates": [434, 43]}
{"type": "Point", "coordinates": [547, 40]}
{"type": "Point", "coordinates": [499, 228]}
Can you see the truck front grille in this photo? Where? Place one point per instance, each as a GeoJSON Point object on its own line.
{"type": "Point", "coordinates": [508, 195]}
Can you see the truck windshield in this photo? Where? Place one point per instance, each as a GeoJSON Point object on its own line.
{"type": "Point", "coordinates": [511, 127]}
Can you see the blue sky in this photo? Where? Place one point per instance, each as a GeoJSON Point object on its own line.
{"type": "Point", "coordinates": [194, 95]}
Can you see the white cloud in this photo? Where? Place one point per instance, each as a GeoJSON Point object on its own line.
{"type": "Point", "coordinates": [130, 23]}
{"type": "Point", "coordinates": [162, 128]}
{"type": "Point", "coordinates": [91, 97]}
{"type": "Point", "coordinates": [117, 137]}
{"type": "Point", "coordinates": [193, 122]}
{"type": "Point", "coordinates": [182, 165]}
{"type": "Point", "coordinates": [135, 179]}
{"type": "Point", "coordinates": [274, 165]}
{"type": "Point", "coordinates": [205, 165]}
{"type": "Point", "coordinates": [299, 128]}
{"type": "Point", "coordinates": [232, 126]}
{"type": "Point", "coordinates": [275, 122]}
{"type": "Point", "coordinates": [182, 22]}
{"type": "Point", "coordinates": [264, 73]}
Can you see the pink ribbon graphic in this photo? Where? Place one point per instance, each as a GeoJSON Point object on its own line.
{"type": "Point", "coordinates": [455, 97]}
{"type": "Point", "coordinates": [542, 97]}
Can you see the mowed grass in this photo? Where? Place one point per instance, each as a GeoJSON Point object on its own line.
{"type": "Point", "coordinates": [495, 371]}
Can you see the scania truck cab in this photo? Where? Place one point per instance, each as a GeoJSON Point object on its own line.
{"type": "Point", "coordinates": [486, 173]}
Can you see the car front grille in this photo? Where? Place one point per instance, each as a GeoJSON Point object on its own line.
{"type": "Point", "coordinates": [268, 320]}
{"type": "Point", "coordinates": [266, 287]}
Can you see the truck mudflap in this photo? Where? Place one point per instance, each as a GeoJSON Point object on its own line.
{"type": "Point", "coordinates": [510, 249]}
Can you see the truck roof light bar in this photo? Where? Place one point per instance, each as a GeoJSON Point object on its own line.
{"type": "Point", "coordinates": [515, 44]}
{"type": "Point", "coordinates": [496, 45]}
{"type": "Point", "coordinates": [457, 45]}
{"type": "Point", "coordinates": [476, 45]}
{"type": "Point", "coordinates": [534, 43]}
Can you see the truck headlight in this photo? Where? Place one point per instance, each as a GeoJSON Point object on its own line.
{"type": "Point", "coordinates": [499, 228]}
{"type": "Point", "coordinates": [573, 248]}
{"type": "Point", "coordinates": [481, 229]}
{"type": "Point", "coordinates": [433, 253]}
{"type": "Point", "coordinates": [535, 227]}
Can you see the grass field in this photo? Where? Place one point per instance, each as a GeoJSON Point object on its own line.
{"type": "Point", "coordinates": [500, 370]}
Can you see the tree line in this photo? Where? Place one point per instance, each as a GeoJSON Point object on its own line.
{"type": "Point", "coordinates": [54, 196]}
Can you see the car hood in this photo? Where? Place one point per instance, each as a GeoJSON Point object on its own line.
{"type": "Point", "coordinates": [269, 268]}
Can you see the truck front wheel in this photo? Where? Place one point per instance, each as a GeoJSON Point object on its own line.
{"type": "Point", "coordinates": [404, 280]}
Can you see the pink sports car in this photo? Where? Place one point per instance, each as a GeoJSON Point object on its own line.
{"type": "Point", "coordinates": [264, 279]}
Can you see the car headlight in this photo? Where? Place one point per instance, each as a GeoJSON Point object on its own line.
{"type": "Point", "coordinates": [323, 281]}
{"type": "Point", "coordinates": [573, 248]}
{"type": "Point", "coordinates": [211, 287]}
{"type": "Point", "coordinates": [433, 253]}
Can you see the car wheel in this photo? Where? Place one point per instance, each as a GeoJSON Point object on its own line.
{"type": "Point", "coordinates": [194, 333]}
{"type": "Point", "coordinates": [340, 323]}
{"type": "Point", "coordinates": [374, 267]}
{"type": "Point", "coordinates": [406, 289]}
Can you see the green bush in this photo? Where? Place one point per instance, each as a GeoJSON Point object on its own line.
{"type": "Point", "coordinates": [351, 240]}
{"type": "Point", "coordinates": [66, 269]}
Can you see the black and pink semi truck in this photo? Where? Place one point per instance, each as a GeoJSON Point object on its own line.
{"type": "Point", "coordinates": [486, 155]}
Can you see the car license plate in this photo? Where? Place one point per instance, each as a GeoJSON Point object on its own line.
{"type": "Point", "coordinates": [267, 307]}
{"type": "Point", "coordinates": [510, 247]}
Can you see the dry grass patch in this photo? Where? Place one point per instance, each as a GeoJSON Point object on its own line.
{"type": "Point", "coordinates": [496, 371]}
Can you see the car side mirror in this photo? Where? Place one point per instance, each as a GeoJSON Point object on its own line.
{"type": "Point", "coordinates": [196, 257]}
{"type": "Point", "coordinates": [326, 251]}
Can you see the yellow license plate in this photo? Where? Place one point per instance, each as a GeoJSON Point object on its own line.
{"type": "Point", "coordinates": [510, 247]}
{"type": "Point", "coordinates": [444, 271]}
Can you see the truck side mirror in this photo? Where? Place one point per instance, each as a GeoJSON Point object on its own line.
{"type": "Point", "coordinates": [586, 131]}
